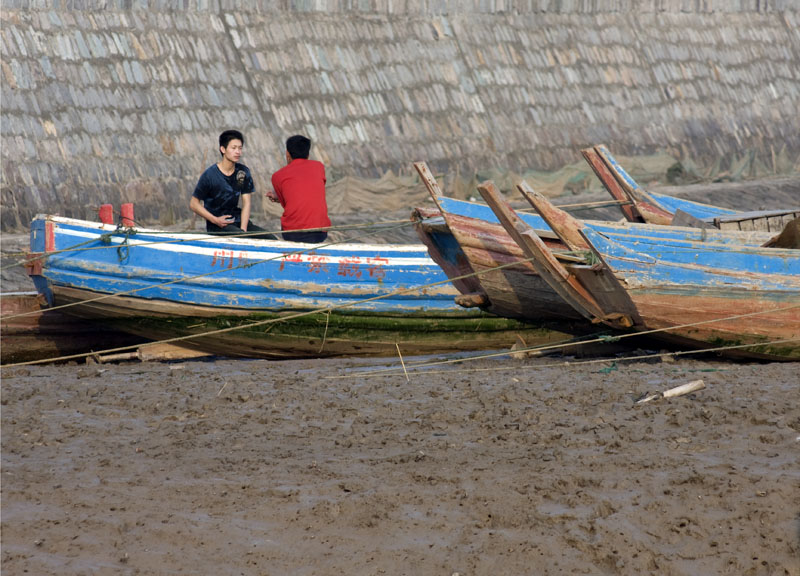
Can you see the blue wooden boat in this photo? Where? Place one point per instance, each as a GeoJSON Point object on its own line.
{"type": "Point", "coordinates": [492, 273]}
{"type": "Point", "coordinates": [640, 205]}
{"type": "Point", "coordinates": [737, 299]}
{"type": "Point", "coordinates": [261, 298]}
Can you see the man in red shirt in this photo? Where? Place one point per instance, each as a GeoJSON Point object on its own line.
{"type": "Point", "coordinates": [300, 188]}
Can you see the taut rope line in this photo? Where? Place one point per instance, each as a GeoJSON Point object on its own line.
{"type": "Point", "coordinates": [584, 206]}
{"type": "Point", "coordinates": [394, 371]}
{"type": "Point", "coordinates": [550, 347]}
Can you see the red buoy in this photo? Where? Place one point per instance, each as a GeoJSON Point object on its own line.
{"type": "Point", "coordinates": [126, 211]}
{"type": "Point", "coordinates": [106, 213]}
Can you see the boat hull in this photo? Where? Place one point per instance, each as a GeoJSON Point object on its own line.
{"type": "Point", "coordinates": [736, 299]}
{"type": "Point", "coordinates": [309, 333]}
{"type": "Point", "coordinates": [474, 241]}
{"type": "Point", "coordinates": [30, 332]}
{"type": "Point", "coordinates": [759, 326]}
{"type": "Point", "coordinates": [751, 308]}
{"type": "Point", "coordinates": [512, 287]}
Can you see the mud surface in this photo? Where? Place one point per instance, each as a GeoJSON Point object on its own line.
{"type": "Point", "coordinates": [316, 467]}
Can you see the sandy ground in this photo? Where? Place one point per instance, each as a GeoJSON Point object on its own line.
{"type": "Point", "coordinates": [489, 467]}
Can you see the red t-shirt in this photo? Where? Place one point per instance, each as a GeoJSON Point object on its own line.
{"type": "Point", "coordinates": [300, 186]}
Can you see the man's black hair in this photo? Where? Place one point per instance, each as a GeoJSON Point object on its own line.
{"type": "Point", "coordinates": [229, 135]}
{"type": "Point", "coordinates": [298, 146]}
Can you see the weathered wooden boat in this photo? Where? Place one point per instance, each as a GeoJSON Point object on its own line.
{"type": "Point", "coordinates": [29, 332]}
{"type": "Point", "coordinates": [640, 205]}
{"type": "Point", "coordinates": [490, 269]}
{"type": "Point", "coordinates": [740, 300]}
{"type": "Point", "coordinates": [262, 298]}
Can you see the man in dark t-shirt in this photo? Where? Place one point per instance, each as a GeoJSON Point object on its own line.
{"type": "Point", "coordinates": [300, 189]}
{"type": "Point", "coordinates": [216, 196]}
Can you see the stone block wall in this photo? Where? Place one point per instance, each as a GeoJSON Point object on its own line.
{"type": "Point", "coordinates": [123, 101]}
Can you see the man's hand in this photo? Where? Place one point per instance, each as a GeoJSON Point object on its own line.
{"type": "Point", "coordinates": [197, 207]}
{"type": "Point", "coordinates": [223, 221]}
{"type": "Point", "coordinates": [272, 196]}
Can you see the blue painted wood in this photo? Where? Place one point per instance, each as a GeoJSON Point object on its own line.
{"type": "Point", "coordinates": [668, 203]}
{"type": "Point", "coordinates": [616, 230]}
{"type": "Point", "coordinates": [732, 257]}
{"type": "Point", "coordinates": [703, 212]}
{"type": "Point", "coordinates": [744, 267]}
{"type": "Point", "coordinates": [619, 169]}
{"type": "Point", "coordinates": [251, 275]}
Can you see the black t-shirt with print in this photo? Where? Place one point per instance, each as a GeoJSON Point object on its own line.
{"type": "Point", "coordinates": [220, 193]}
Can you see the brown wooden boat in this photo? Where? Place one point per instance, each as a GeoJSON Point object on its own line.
{"type": "Point", "coordinates": [640, 205]}
{"type": "Point", "coordinates": [735, 299]}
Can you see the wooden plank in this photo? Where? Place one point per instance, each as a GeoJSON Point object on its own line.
{"type": "Point", "coordinates": [792, 213]}
{"type": "Point", "coordinates": [545, 263]}
{"type": "Point", "coordinates": [610, 183]}
{"type": "Point", "coordinates": [433, 231]}
{"type": "Point", "coordinates": [430, 182]}
{"type": "Point", "coordinates": [646, 206]}
{"type": "Point", "coordinates": [604, 290]}
{"type": "Point", "coordinates": [561, 222]}
{"type": "Point", "coordinates": [159, 351]}
{"type": "Point", "coordinates": [767, 221]}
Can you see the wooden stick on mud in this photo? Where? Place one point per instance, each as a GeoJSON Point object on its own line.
{"type": "Point", "coordinates": [401, 362]}
{"type": "Point", "coordinates": [151, 352]}
{"type": "Point", "coordinates": [688, 388]}
{"type": "Point", "coordinates": [325, 335]}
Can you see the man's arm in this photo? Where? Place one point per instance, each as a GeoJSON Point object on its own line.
{"type": "Point", "coordinates": [275, 195]}
{"type": "Point", "coordinates": [197, 207]}
{"type": "Point", "coordinates": [245, 211]}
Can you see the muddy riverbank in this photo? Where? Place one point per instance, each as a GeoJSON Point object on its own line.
{"type": "Point", "coordinates": [489, 467]}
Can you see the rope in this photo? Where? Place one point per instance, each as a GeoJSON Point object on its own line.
{"type": "Point", "coordinates": [123, 248]}
{"type": "Point", "coordinates": [584, 206]}
{"type": "Point", "coordinates": [394, 371]}
{"type": "Point", "coordinates": [540, 349]}
{"type": "Point", "coordinates": [325, 334]}
{"type": "Point", "coordinates": [604, 339]}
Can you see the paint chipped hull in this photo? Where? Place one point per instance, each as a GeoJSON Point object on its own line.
{"type": "Point", "coordinates": [472, 240]}
{"type": "Point", "coordinates": [369, 298]}
{"type": "Point", "coordinates": [514, 291]}
{"type": "Point", "coordinates": [236, 273]}
{"type": "Point", "coordinates": [747, 298]}
{"type": "Point", "coordinates": [695, 291]}
{"type": "Point", "coordinates": [723, 317]}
